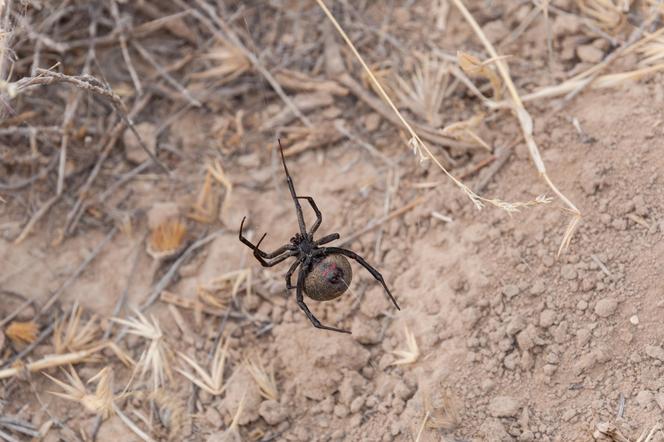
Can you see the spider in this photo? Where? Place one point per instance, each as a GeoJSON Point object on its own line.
{"type": "Point", "coordinates": [324, 272]}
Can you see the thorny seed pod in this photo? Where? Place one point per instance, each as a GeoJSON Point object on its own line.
{"type": "Point", "coordinates": [328, 278]}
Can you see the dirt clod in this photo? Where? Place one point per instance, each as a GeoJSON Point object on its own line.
{"type": "Point", "coordinates": [504, 406]}
{"type": "Point", "coordinates": [606, 307]}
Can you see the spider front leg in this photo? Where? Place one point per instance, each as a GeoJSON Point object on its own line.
{"type": "Point", "coordinates": [319, 216]}
{"type": "Point", "coordinates": [375, 273]}
{"type": "Point", "coordinates": [262, 256]}
{"type": "Point", "coordinates": [300, 301]}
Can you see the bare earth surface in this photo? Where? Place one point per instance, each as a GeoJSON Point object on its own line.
{"type": "Point", "coordinates": [514, 343]}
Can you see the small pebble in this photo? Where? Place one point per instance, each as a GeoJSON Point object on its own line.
{"type": "Point", "coordinates": [634, 319]}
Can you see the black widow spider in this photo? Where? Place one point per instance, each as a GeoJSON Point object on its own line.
{"type": "Point", "coordinates": [324, 272]}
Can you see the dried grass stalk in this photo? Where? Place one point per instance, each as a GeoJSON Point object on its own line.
{"type": "Point", "coordinates": [70, 336]}
{"type": "Point", "coordinates": [156, 358]}
{"type": "Point", "coordinates": [212, 382]}
{"type": "Point", "coordinates": [265, 380]}
{"type": "Point", "coordinates": [220, 290]}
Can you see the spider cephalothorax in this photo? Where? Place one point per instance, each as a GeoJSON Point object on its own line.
{"type": "Point", "coordinates": [324, 272]}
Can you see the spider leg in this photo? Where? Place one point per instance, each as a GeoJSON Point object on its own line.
{"type": "Point", "coordinates": [375, 273]}
{"type": "Point", "coordinates": [300, 302]}
{"type": "Point", "coordinates": [291, 187]}
{"type": "Point", "coordinates": [260, 255]}
{"type": "Point", "coordinates": [319, 216]}
{"type": "Point", "coordinates": [326, 239]}
{"type": "Point", "coordinates": [289, 273]}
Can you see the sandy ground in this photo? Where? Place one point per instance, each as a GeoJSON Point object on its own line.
{"type": "Point", "coordinates": [513, 342]}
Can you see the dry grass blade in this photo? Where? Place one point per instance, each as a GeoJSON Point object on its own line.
{"type": "Point", "coordinates": [155, 359]}
{"type": "Point", "coordinates": [167, 239]}
{"type": "Point", "coordinates": [70, 336]}
{"type": "Point", "coordinates": [22, 332]}
{"type": "Point", "coordinates": [101, 402]}
{"type": "Point", "coordinates": [422, 425]}
{"type": "Point", "coordinates": [232, 434]}
{"type": "Point", "coordinates": [412, 351]}
{"type": "Point", "coordinates": [217, 172]}
{"type": "Point", "coordinates": [132, 426]}
{"type": "Point", "coordinates": [212, 382]}
{"type": "Point", "coordinates": [266, 381]}
{"type": "Point", "coordinates": [425, 93]}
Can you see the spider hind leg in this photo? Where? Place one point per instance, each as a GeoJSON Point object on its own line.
{"type": "Point", "coordinates": [375, 273]}
{"type": "Point", "coordinates": [300, 302]}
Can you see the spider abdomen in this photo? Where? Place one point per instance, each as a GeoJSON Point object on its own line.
{"type": "Point", "coordinates": [328, 278]}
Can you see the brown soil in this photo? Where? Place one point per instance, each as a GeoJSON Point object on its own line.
{"type": "Point", "coordinates": [514, 343]}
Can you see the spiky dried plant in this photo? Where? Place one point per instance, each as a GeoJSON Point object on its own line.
{"type": "Point", "coordinates": [426, 91]}
{"type": "Point", "coordinates": [220, 290]}
{"type": "Point", "coordinates": [167, 239]}
{"type": "Point", "coordinates": [156, 358]}
{"type": "Point", "coordinates": [412, 351]}
{"type": "Point", "coordinates": [212, 382]}
{"type": "Point", "coordinates": [22, 332]}
{"type": "Point", "coordinates": [70, 335]}
{"type": "Point", "coordinates": [265, 380]}
{"type": "Point", "coordinates": [228, 63]}
{"type": "Point", "coordinates": [101, 402]}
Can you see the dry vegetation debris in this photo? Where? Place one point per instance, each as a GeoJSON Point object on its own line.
{"type": "Point", "coordinates": [153, 125]}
